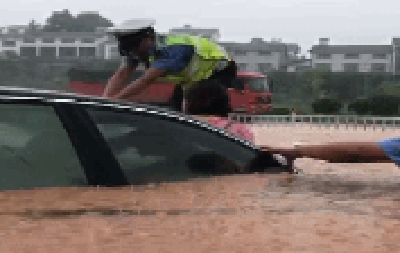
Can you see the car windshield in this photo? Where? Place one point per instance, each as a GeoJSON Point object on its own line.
{"type": "Point", "coordinates": [259, 84]}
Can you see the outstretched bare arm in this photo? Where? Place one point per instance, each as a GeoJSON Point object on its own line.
{"type": "Point", "coordinates": [140, 84]}
{"type": "Point", "coordinates": [117, 81]}
{"type": "Point", "coordinates": [336, 152]}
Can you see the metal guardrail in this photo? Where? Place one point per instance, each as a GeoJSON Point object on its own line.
{"type": "Point", "coordinates": [327, 121]}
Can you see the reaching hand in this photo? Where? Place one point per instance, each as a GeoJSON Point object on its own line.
{"type": "Point", "coordinates": [289, 153]}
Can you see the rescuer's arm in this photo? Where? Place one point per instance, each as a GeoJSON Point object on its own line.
{"type": "Point", "coordinates": [120, 77]}
{"type": "Point", "coordinates": [171, 60]}
{"type": "Point", "coordinates": [140, 84]}
{"type": "Point", "coordinates": [343, 152]}
{"type": "Point", "coordinates": [117, 81]}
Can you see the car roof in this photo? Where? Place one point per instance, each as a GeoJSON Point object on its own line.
{"type": "Point", "coordinates": [7, 92]}
{"type": "Point", "coordinates": [250, 74]}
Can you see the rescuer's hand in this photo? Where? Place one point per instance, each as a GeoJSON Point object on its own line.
{"type": "Point", "coordinates": [140, 84]}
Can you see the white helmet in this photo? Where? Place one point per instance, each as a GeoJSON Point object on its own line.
{"type": "Point", "coordinates": [131, 26]}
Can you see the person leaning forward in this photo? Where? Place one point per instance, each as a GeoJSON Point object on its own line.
{"type": "Point", "coordinates": [182, 59]}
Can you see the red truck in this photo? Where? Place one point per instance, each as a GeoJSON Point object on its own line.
{"type": "Point", "coordinates": [251, 93]}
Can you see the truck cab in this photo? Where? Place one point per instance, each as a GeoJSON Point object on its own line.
{"type": "Point", "coordinates": [251, 93]}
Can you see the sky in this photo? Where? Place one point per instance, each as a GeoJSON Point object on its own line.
{"type": "Point", "coordinates": [294, 21]}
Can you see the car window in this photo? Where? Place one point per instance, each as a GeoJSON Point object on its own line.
{"type": "Point", "coordinates": [151, 148]}
{"type": "Point", "coordinates": [35, 150]}
{"type": "Point", "coordinates": [258, 84]}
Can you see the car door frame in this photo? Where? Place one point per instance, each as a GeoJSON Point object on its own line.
{"type": "Point", "coordinates": [99, 164]}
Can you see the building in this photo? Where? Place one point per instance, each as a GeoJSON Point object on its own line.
{"type": "Point", "coordinates": [396, 56]}
{"type": "Point", "coordinates": [262, 56]}
{"type": "Point", "coordinates": [52, 45]}
{"type": "Point", "coordinates": [257, 55]}
{"type": "Point", "coordinates": [352, 58]}
{"type": "Point", "coordinates": [210, 33]}
{"type": "Point", "coordinates": [14, 29]}
{"type": "Point", "coordinates": [111, 50]}
{"type": "Point", "coordinates": [299, 64]}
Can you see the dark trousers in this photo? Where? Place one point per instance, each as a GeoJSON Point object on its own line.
{"type": "Point", "coordinates": [225, 77]}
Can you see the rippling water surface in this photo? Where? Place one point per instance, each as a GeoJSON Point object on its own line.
{"type": "Point", "coordinates": [330, 208]}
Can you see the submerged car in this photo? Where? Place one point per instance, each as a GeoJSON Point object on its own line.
{"type": "Point", "coordinates": [50, 139]}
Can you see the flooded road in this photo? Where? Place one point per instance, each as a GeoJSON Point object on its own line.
{"type": "Point", "coordinates": [330, 208]}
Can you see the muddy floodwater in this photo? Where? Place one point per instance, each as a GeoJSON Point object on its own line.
{"type": "Point", "coordinates": [329, 208]}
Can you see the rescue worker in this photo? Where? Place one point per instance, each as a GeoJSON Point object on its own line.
{"type": "Point", "coordinates": [183, 59]}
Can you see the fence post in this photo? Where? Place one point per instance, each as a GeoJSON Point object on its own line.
{"type": "Point", "coordinates": [329, 122]}
{"type": "Point", "coordinates": [365, 124]}
{"type": "Point", "coordinates": [355, 122]}
{"type": "Point", "coordinates": [373, 123]}
{"type": "Point", "coordinates": [328, 125]}
{"type": "Point", "coordinates": [337, 121]}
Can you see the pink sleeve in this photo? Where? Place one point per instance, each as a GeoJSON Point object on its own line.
{"type": "Point", "coordinates": [237, 129]}
{"type": "Point", "coordinates": [242, 131]}
{"type": "Point", "coordinates": [218, 122]}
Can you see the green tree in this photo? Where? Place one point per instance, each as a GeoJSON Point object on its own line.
{"type": "Point", "coordinates": [33, 27]}
{"type": "Point", "coordinates": [346, 86]}
{"type": "Point", "coordinates": [83, 22]}
{"type": "Point", "coordinates": [60, 21]}
{"type": "Point", "coordinates": [313, 83]}
{"type": "Point", "coordinates": [389, 88]}
{"type": "Point", "coordinates": [88, 22]}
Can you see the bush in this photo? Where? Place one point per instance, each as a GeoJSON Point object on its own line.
{"type": "Point", "coordinates": [361, 107]}
{"type": "Point", "coordinates": [382, 105]}
{"type": "Point", "coordinates": [385, 105]}
{"type": "Point", "coordinates": [279, 111]}
{"type": "Point", "coordinates": [326, 106]}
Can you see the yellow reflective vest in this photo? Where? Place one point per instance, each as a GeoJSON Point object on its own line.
{"type": "Point", "coordinates": [203, 63]}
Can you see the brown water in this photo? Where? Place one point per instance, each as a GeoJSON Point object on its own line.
{"type": "Point", "coordinates": [331, 208]}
